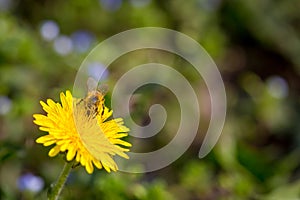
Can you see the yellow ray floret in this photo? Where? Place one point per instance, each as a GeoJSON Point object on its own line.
{"type": "Point", "coordinates": [91, 140]}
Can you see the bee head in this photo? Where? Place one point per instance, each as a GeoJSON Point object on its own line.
{"type": "Point", "coordinates": [94, 99]}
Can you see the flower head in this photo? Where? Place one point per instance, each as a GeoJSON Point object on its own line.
{"type": "Point", "coordinates": [81, 128]}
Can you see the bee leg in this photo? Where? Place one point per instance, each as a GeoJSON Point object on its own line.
{"type": "Point", "coordinates": [88, 112]}
{"type": "Point", "coordinates": [81, 100]}
{"type": "Point", "coordinates": [96, 112]}
{"type": "Point", "coordinates": [103, 107]}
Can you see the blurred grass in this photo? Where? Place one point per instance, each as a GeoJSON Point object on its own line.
{"type": "Point", "coordinates": [257, 156]}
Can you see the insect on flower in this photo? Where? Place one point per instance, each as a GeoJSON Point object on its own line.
{"type": "Point", "coordinates": [84, 129]}
{"type": "Point", "coordinates": [94, 100]}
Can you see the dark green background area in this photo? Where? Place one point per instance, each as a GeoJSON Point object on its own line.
{"type": "Point", "coordinates": [256, 46]}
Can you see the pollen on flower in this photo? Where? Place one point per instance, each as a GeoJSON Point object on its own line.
{"type": "Point", "coordinates": [92, 140]}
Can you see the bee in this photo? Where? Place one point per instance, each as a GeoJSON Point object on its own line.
{"type": "Point", "coordinates": [94, 100]}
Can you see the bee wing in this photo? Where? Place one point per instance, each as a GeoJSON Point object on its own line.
{"type": "Point", "coordinates": [91, 84]}
{"type": "Point", "coordinates": [103, 88]}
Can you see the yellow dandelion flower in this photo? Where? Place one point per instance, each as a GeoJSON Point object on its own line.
{"type": "Point", "coordinates": [81, 129]}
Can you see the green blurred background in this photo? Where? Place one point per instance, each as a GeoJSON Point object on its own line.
{"type": "Point", "coordinates": [256, 45]}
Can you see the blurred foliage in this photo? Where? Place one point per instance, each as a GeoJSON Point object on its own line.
{"type": "Point", "coordinates": [256, 46]}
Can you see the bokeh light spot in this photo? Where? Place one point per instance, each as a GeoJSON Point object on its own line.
{"type": "Point", "coordinates": [82, 41]}
{"type": "Point", "coordinates": [63, 45]}
{"type": "Point", "coordinates": [5, 105]}
{"type": "Point", "coordinates": [277, 87]}
{"type": "Point", "coordinates": [98, 71]}
{"type": "Point", "coordinates": [30, 182]}
{"type": "Point", "coordinates": [111, 5]}
{"type": "Point", "coordinates": [49, 30]}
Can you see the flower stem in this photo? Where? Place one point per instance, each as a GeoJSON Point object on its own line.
{"type": "Point", "coordinates": [59, 185]}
